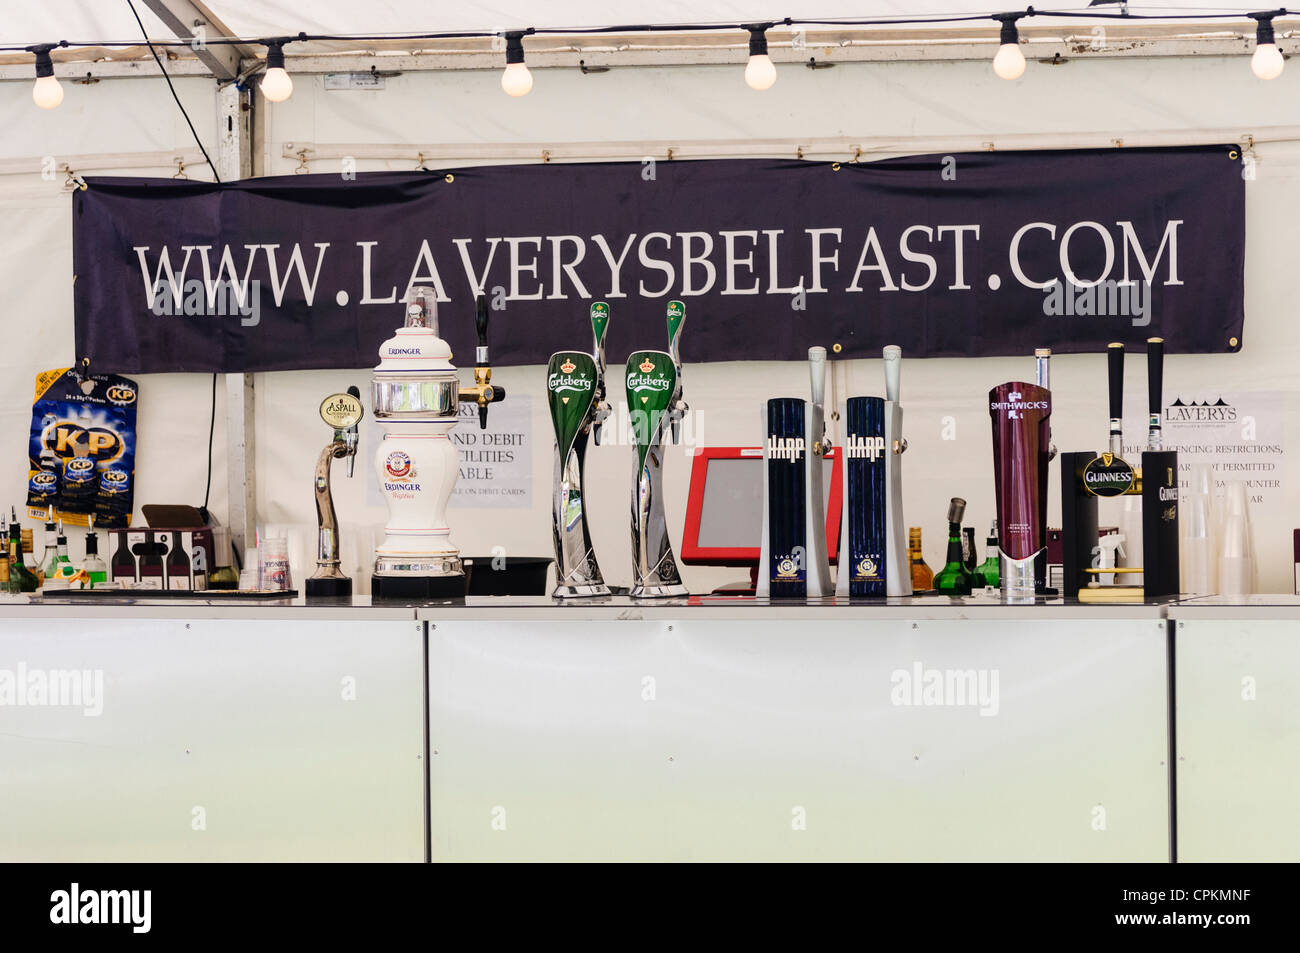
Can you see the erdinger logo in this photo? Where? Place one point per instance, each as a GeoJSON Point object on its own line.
{"type": "Point", "coordinates": [398, 465]}
{"type": "Point", "coordinates": [121, 394]}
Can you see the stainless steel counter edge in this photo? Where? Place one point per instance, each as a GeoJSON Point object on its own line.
{"type": "Point", "coordinates": [614, 608]}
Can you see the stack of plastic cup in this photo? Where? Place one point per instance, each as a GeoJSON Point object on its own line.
{"type": "Point", "coordinates": [1236, 550]}
{"type": "Point", "coordinates": [1196, 548]}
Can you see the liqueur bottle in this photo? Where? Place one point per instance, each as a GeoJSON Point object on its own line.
{"type": "Point", "coordinates": [93, 566]}
{"type": "Point", "coordinates": [954, 579]}
{"type": "Point", "coordinates": [990, 569]}
{"type": "Point", "coordinates": [21, 577]}
{"type": "Point", "coordinates": [922, 575]}
{"type": "Point", "coordinates": [50, 557]}
{"type": "Point", "coordinates": [969, 555]}
{"type": "Point", "coordinates": [4, 553]}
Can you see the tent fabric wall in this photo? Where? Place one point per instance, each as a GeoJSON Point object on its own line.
{"type": "Point", "coordinates": [946, 420]}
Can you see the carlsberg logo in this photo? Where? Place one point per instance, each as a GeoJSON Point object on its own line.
{"type": "Point", "coordinates": [638, 382]}
{"type": "Point", "coordinates": [559, 382]}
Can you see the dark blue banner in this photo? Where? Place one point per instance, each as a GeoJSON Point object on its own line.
{"type": "Point", "coordinates": [963, 255]}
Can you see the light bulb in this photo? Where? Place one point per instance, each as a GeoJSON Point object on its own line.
{"type": "Point", "coordinates": [516, 80]}
{"type": "Point", "coordinates": [47, 93]}
{"type": "Point", "coordinates": [276, 84]}
{"type": "Point", "coordinates": [1267, 62]}
{"type": "Point", "coordinates": [1009, 62]}
{"type": "Point", "coordinates": [760, 72]}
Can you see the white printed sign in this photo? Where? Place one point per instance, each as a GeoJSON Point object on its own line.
{"type": "Point", "coordinates": [1239, 436]}
{"type": "Point", "coordinates": [496, 466]}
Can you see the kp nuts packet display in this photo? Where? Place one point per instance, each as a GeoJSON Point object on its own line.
{"type": "Point", "coordinates": [81, 455]}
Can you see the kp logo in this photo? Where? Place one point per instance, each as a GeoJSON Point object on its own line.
{"type": "Point", "coordinates": [399, 465]}
{"type": "Point", "coordinates": [121, 395]}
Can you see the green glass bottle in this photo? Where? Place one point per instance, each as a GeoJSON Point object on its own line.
{"type": "Point", "coordinates": [954, 579]}
{"type": "Point", "coordinates": [991, 568]}
{"type": "Point", "coordinates": [21, 576]}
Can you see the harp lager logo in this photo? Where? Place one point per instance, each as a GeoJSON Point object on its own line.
{"type": "Point", "coordinates": [787, 568]}
{"type": "Point", "coordinates": [785, 448]}
{"type": "Point", "coordinates": [865, 448]}
{"type": "Point", "coordinates": [867, 568]}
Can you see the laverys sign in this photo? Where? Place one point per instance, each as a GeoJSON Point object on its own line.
{"type": "Point", "coordinates": [962, 255]}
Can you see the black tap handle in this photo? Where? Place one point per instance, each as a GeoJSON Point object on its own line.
{"type": "Point", "coordinates": [498, 393]}
{"type": "Point", "coordinates": [481, 322]}
{"type": "Point", "coordinates": [1115, 366]}
{"type": "Point", "coordinates": [1155, 374]}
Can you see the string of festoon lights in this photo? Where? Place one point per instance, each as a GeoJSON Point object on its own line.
{"type": "Point", "coordinates": [760, 72]}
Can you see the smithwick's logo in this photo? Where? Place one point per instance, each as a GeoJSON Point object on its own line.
{"type": "Point", "coordinates": [647, 366]}
{"type": "Point", "coordinates": [869, 448]}
{"type": "Point", "coordinates": [399, 465]}
{"type": "Point", "coordinates": [785, 448]}
{"type": "Point", "coordinates": [126, 907]}
{"type": "Point", "coordinates": [568, 367]}
{"type": "Point", "coordinates": [1015, 405]}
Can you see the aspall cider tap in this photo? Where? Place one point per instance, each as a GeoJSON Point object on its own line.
{"type": "Point", "coordinates": [416, 401]}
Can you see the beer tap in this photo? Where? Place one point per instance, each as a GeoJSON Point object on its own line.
{"type": "Point", "coordinates": [483, 390]}
{"type": "Point", "coordinates": [342, 412]}
{"type": "Point", "coordinates": [678, 408]}
{"type": "Point", "coordinates": [601, 408]}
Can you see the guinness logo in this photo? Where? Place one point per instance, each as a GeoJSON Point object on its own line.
{"type": "Point", "coordinates": [568, 366]}
{"type": "Point", "coordinates": [647, 366]}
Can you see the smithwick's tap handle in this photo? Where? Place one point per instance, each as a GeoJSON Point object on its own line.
{"type": "Point", "coordinates": [1155, 389]}
{"type": "Point", "coordinates": [1115, 372]}
{"type": "Point", "coordinates": [893, 355]}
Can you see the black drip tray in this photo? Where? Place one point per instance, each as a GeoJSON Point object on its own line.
{"type": "Point", "coordinates": [507, 575]}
